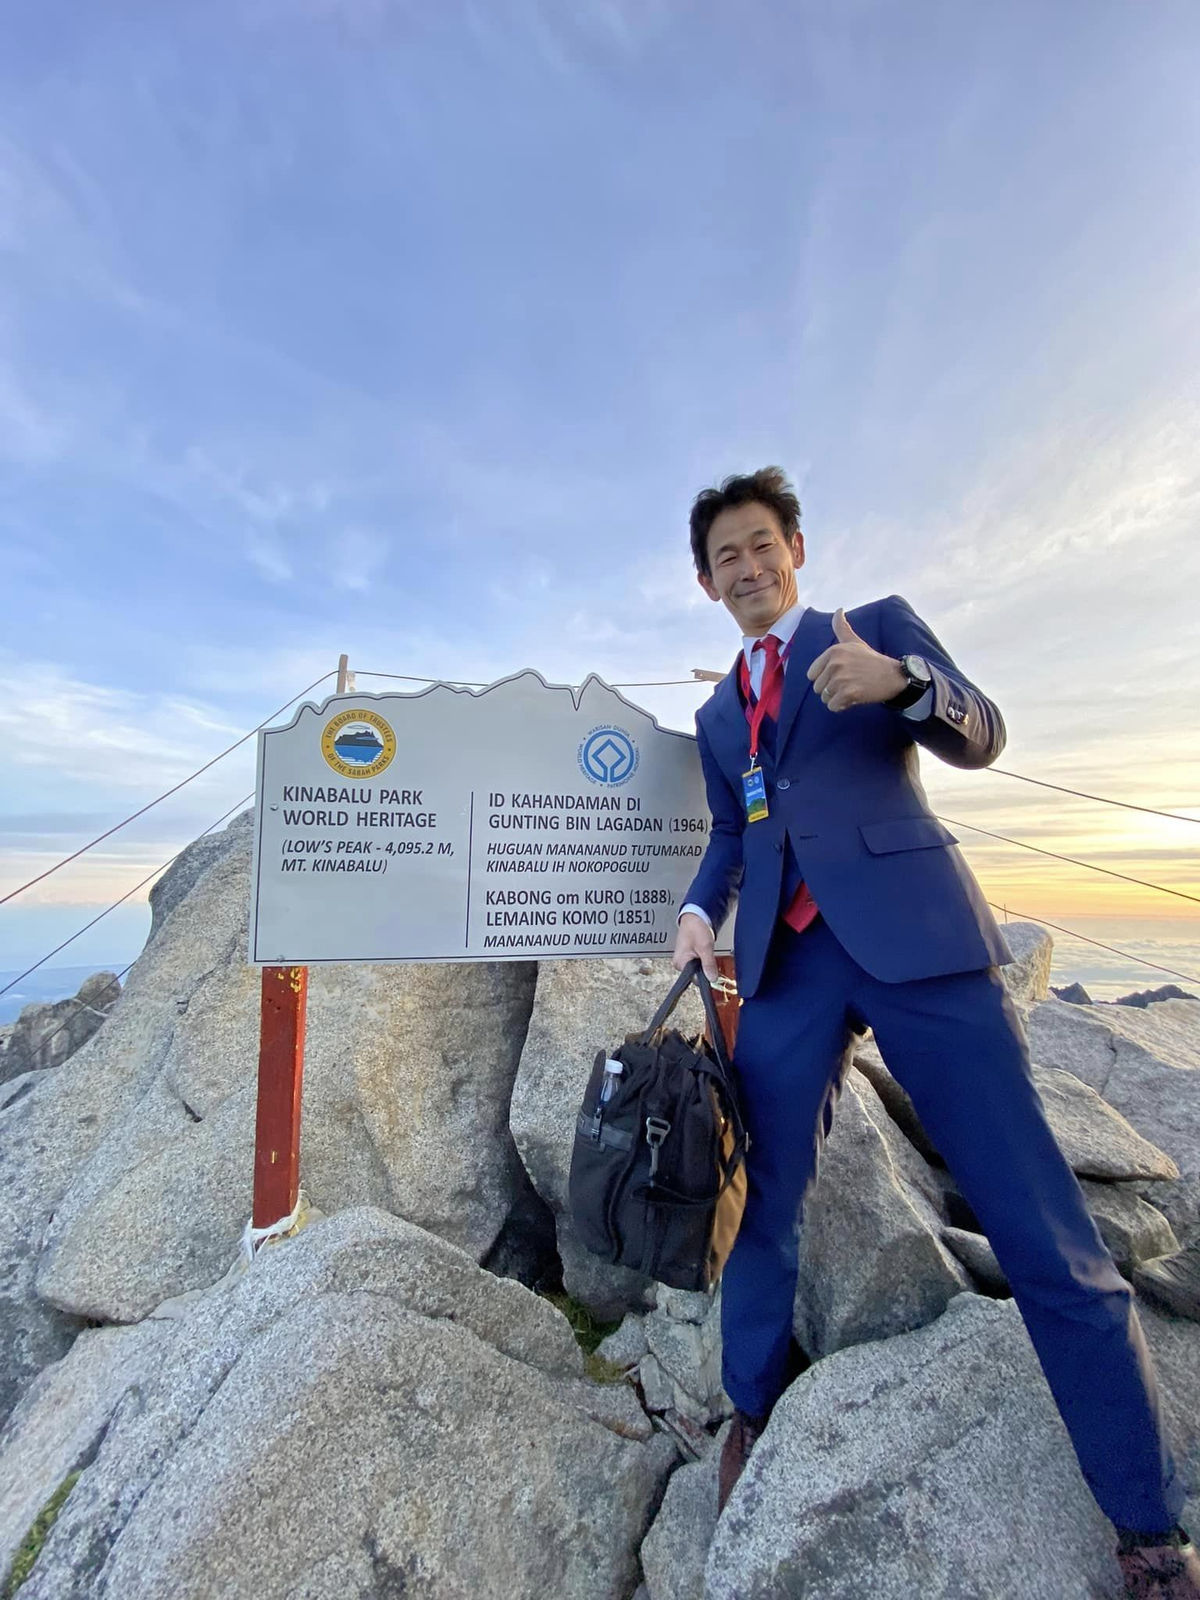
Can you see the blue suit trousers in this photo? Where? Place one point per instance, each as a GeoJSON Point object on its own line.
{"type": "Point", "coordinates": [956, 1045]}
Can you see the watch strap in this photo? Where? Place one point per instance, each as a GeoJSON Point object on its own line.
{"type": "Point", "coordinates": [912, 691]}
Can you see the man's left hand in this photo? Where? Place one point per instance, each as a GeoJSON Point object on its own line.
{"type": "Point", "coordinates": [851, 673]}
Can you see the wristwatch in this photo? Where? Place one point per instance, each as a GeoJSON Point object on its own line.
{"type": "Point", "coordinates": [916, 670]}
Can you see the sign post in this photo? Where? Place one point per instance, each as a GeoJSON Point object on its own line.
{"type": "Point", "coordinates": [280, 1082]}
{"type": "Point", "coordinates": [520, 822]}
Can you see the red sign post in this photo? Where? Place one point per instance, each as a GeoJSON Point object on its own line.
{"type": "Point", "coordinates": [280, 1081]}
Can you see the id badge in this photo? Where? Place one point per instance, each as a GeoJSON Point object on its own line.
{"type": "Point", "coordinates": [754, 793]}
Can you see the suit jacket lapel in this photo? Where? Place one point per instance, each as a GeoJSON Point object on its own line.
{"type": "Point", "coordinates": [813, 635]}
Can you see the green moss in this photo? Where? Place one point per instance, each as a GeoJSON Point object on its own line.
{"type": "Point", "coordinates": [31, 1545]}
{"type": "Point", "coordinates": [602, 1371]}
{"type": "Point", "coordinates": [587, 1330]}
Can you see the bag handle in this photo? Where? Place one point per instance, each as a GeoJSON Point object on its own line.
{"type": "Point", "coordinates": [693, 973]}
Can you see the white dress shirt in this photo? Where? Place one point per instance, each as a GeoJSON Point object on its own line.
{"type": "Point", "coordinates": [783, 628]}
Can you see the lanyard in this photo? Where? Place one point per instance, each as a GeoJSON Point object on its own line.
{"type": "Point", "coordinates": [756, 713]}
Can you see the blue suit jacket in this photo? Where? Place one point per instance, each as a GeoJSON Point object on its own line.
{"type": "Point", "coordinates": [848, 813]}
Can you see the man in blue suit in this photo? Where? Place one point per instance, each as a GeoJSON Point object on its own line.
{"type": "Point", "coordinates": [856, 910]}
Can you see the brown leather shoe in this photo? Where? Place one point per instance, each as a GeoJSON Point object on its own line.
{"type": "Point", "coordinates": [743, 1435]}
{"type": "Point", "coordinates": [1162, 1571]}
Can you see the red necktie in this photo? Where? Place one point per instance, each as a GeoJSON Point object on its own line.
{"type": "Point", "coordinates": [802, 908]}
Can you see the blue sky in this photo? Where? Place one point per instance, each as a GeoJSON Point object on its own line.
{"type": "Point", "coordinates": [411, 330]}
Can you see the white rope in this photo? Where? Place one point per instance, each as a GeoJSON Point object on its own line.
{"type": "Point", "coordinates": [252, 1237]}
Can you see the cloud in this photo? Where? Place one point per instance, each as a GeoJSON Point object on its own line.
{"type": "Point", "coordinates": [265, 552]}
{"type": "Point", "coordinates": [358, 556]}
{"type": "Point", "coordinates": [59, 728]}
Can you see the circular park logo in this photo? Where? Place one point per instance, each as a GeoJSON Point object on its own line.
{"type": "Point", "coordinates": [608, 756]}
{"type": "Point", "coordinates": [358, 744]}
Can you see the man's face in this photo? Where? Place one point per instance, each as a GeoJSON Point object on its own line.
{"type": "Point", "coordinates": [753, 566]}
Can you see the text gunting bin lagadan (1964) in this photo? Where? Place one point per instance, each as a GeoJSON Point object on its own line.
{"type": "Point", "coordinates": [511, 823]}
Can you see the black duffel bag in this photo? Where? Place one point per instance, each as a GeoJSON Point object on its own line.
{"type": "Point", "coordinates": [658, 1179]}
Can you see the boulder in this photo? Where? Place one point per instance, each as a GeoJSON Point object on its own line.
{"type": "Point", "coordinates": [45, 1035]}
{"type": "Point", "coordinates": [889, 1470]}
{"type": "Point", "coordinates": [681, 1371]}
{"type": "Point", "coordinates": [579, 1008]}
{"type": "Point", "coordinates": [1180, 1204]}
{"type": "Point", "coordinates": [626, 1347]}
{"type": "Point", "coordinates": [1170, 1028]}
{"type": "Point", "coordinates": [1027, 976]}
{"type": "Point", "coordinates": [1133, 1230]}
{"type": "Point", "coordinates": [408, 1072]}
{"type": "Point", "coordinates": [62, 1419]}
{"type": "Point", "coordinates": [674, 1551]}
{"type": "Point", "coordinates": [14, 1088]}
{"type": "Point", "coordinates": [1146, 1065]}
{"type": "Point", "coordinates": [526, 1248]}
{"type": "Point", "coordinates": [1148, 997]}
{"type": "Point", "coordinates": [977, 1255]}
{"type": "Point", "coordinates": [172, 889]}
{"type": "Point", "coordinates": [50, 1128]}
{"type": "Point", "coordinates": [1073, 993]}
{"type": "Point", "coordinates": [1175, 1347]}
{"type": "Point", "coordinates": [1097, 1141]}
{"type": "Point", "coordinates": [872, 1262]}
{"type": "Point", "coordinates": [365, 1411]}
{"type": "Point", "coordinates": [1172, 1282]}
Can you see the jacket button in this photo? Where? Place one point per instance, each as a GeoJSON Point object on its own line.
{"type": "Point", "coordinates": [784, 783]}
{"type": "Point", "coordinates": [779, 844]}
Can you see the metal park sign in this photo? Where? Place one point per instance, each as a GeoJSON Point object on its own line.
{"type": "Point", "coordinates": [514, 823]}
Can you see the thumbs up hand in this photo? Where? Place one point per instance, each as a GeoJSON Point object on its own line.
{"type": "Point", "coordinates": [842, 631]}
{"type": "Point", "coordinates": [851, 673]}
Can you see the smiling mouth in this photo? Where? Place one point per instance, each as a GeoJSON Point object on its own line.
{"type": "Point", "coordinates": [763, 588]}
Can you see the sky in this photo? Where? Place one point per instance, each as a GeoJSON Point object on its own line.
{"type": "Point", "coordinates": [411, 331]}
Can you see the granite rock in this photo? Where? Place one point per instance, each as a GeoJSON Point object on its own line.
{"type": "Point", "coordinates": [889, 1470]}
{"type": "Point", "coordinates": [1145, 1064]}
{"type": "Point", "coordinates": [977, 1255]}
{"type": "Point", "coordinates": [871, 1258]}
{"type": "Point", "coordinates": [53, 1125]}
{"type": "Point", "coordinates": [627, 1346]}
{"type": "Point", "coordinates": [1174, 1344]}
{"type": "Point", "coordinates": [682, 1369]}
{"type": "Point", "coordinates": [674, 1551]}
{"type": "Point", "coordinates": [406, 1110]}
{"type": "Point", "coordinates": [1073, 993]}
{"type": "Point", "coordinates": [61, 1419]}
{"type": "Point", "coordinates": [1096, 1140]}
{"type": "Point", "coordinates": [1027, 976]}
{"type": "Point", "coordinates": [47, 1034]}
{"type": "Point", "coordinates": [1133, 1230]}
{"type": "Point", "coordinates": [439, 1409]}
{"type": "Point", "coordinates": [1149, 997]}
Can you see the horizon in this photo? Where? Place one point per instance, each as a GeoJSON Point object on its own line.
{"type": "Point", "coordinates": [330, 327]}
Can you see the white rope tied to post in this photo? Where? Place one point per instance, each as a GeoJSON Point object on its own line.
{"type": "Point", "coordinates": [252, 1237]}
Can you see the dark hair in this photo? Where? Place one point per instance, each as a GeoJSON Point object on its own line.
{"type": "Point", "coordinates": [768, 486]}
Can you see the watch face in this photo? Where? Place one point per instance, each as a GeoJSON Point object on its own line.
{"type": "Point", "coordinates": [918, 670]}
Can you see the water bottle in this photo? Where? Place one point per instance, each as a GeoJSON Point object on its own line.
{"type": "Point", "coordinates": [612, 1071]}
